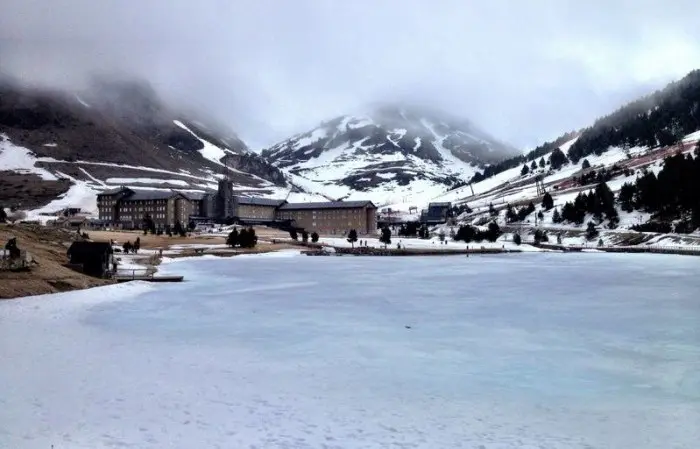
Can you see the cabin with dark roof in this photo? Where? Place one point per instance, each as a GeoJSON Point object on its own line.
{"type": "Point", "coordinates": [436, 213]}
{"type": "Point", "coordinates": [331, 217]}
{"type": "Point", "coordinates": [93, 258]}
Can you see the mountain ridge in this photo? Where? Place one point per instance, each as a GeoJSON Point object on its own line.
{"type": "Point", "coordinates": [388, 149]}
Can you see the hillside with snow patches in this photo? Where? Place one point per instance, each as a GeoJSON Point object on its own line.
{"type": "Point", "coordinates": [386, 156]}
{"type": "Point", "coordinates": [58, 149]}
{"type": "Point", "coordinates": [512, 188]}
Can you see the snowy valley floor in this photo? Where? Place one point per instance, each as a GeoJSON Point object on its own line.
{"type": "Point", "coordinates": [275, 350]}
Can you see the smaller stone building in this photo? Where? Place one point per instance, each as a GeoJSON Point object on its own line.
{"type": "Point", "coordinates": [332, 217]}
{"type": "Point", "coordinates": [258, 210]}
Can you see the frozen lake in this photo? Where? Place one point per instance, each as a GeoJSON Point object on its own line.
{"type": "Point", "coordinates": [493, 352]}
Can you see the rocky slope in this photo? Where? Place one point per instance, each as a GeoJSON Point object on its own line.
{"type": "Point", "coordinates": [111, 133]}
{"type": "Point", "coordinates": [390, 153]}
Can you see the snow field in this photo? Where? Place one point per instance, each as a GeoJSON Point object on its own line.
{"type": "Point", "coordinates": [286, 351]}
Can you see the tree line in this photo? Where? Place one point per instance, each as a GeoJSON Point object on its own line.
{"type": "Point", "coordinates": [245, 238]}
{"type": "Point", "coordinates": [662, 118]}
{"type": "Point", "coordinates": [671, 196]}
{"type": "Point", "coordinates": [557, 159]}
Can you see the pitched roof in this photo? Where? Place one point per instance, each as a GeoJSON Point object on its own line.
{"type": "Point", "coordinates": [114, 191]}
{"type": "Point", "coordinates": [143, 195]}
{"type": "Point", "coordinates": [194, 196]}
{"type": "Point", "coordinates": [255, 201]}
{"type": "Point", "coordinates": [328, 205]}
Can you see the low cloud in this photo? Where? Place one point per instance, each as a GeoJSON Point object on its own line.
{"type": "Point", "coordinates": [525, 71]}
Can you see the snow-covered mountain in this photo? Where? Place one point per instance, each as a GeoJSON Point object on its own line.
{"type": "Point", "coordinates": [115, 133]}
{"type": "Point", "coordinates": [385, 155]}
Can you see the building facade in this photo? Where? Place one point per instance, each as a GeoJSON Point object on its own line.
{"type": "Point", "coordinates": [333, 217]}
{"type": "Point", "coordinates": [127, 208]}
{"type": "Point", "coordinates": [436, 213]}
{"type": "Point", "coordinates": [131, 208]}
{"type": "Point", "coordinates": [253, 209]}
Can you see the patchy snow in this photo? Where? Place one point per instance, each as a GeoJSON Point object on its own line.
{"type": "Point", "coordinates": [95, 180]}
{"type": "Point", "coordinates": [316, 135]}
{"type": "Point", "coordinates": [80, 100]}
{"type": "Point", "coordinates": [126, 181]}
{"type": "Point", "coordinates": [210, 151]}
{"type": "Point", "coordinates": [80, 195]}
{"type": "Point", "coordinates": [504, 242]}
{"type": "Point", "coordinates": [417, 140]}
{"type": "Point", "coordinates": [21, 160]}
{"type": "Point", "coordinates": [566, 146]}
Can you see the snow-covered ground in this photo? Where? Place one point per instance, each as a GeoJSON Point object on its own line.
{"type": "Point", "coordinates": [504, 242]}
{"type": "Point", "coordinates": [210, 151]}
{"type": "Point", "coordinates": [20, 159]}
{"type": "Point", "coordinates": [279, 351]}
{"type": "Point", "coordinates": [80, 195]}
{"type": "Point", "coordinates": [125, 181]}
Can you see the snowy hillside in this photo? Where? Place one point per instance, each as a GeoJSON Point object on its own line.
{"type": "Point", "coordinates": [516, 189]}
{"type": "Point", "coordinates": [57, 147]}
{"type": "Point", "coordinates": [387, 155]}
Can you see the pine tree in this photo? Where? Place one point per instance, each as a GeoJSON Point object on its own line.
{"type": "Point", "coordinates": [547, 201]}
{"type": "Point", "coordinates": [524, 170]}
{"type": "Point", "coordinates": [516, 239]}
{"type": "Point", "coordinates": [591, 231]}
{"type": "Point", "coordinates": [314, 237]}
{"type": "Point", "coordinates": [179, 229]}
{"type": "Point", "coordinates": [252, 238]}
{"type": "Point", "coordinates": [494, 232]}
{"type": "Point", "coordinates": [626, 197]}
{"type": "Point", "coordinates": [542, 162]}
{"type": "Point", "coordinates": [232, 239]}
{"type": "Point", "coordinates": [492, 210]}
{"type": "Point", "coordinates": [510, 214]}
{"type": "Point", "coordinates": [533, 166]}
{"type": "Point", "coordinates": [557, 159]}
{"type": "Point", "coordinates": [304, 236]}
{"type": "Point", "coordinates": [556, 216]}
{"type": "Point", "coordinates": [352, 237]}
{"type": "Point", "coordinates": [385, 238]}
{"type": "Point", "coordinates": [585, 164]}
{"type": "Point", "coordinates": [293, 234]}
{"type": "Point", "coordinates": [243, 238]}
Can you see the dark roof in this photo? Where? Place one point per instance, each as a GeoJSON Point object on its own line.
{"type": "Point", "coordinates": [195, 196]}
{"type": "Point", "coordinates": [328, 205]}
{"type": "Point", "coordinates": [439, 204]}
{"type": "Point", "coordinates": [143, 195]}
{"type": "Point", "coordinates": [114, 191]}
{"type": "Point", "coordinates": [82, 250]}
{"type": "Point", "coordinates": [255, 201]}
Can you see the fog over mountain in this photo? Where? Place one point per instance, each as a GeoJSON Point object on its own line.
{"type": "Point", "coordinates": [523, 71]}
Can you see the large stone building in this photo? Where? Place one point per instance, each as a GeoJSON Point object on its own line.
{"type": "Point", "coordinates": [130, 208]}
{"type": "Point", "coordinates": [127, 208]}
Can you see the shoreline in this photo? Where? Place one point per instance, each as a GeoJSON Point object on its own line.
{"type": "Point", "coordinates": [150, 257]}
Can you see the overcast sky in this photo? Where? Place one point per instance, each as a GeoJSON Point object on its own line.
{"type": "Point", "coordinates": [526, 71]}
